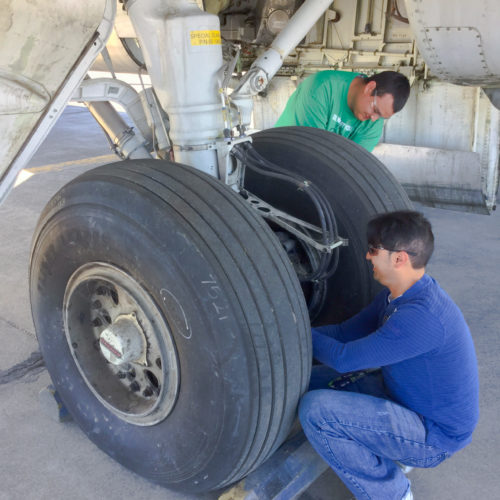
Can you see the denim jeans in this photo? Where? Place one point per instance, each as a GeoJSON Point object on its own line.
{"type": "Point", "coordinates": [360, 433]}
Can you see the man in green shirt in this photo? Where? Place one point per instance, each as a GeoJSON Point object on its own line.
{"type": "Point", "coordinates": [349, 104]}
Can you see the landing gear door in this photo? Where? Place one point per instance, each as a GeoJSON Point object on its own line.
{"type": "Point", "coordinates": [444, 146]}
{"type": "Point", "coordinates": [44, 54]}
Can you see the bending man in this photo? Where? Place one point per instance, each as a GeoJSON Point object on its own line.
{"type": "Point", "coordinates": [348, 104]}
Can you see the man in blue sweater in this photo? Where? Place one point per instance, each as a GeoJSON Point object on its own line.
{"type": "Point", "coordinates": [422, 405]}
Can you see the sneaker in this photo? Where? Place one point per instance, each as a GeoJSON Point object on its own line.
{"type": "Point", "coordinates": [408, 495]}
{"type": "Point", "coordinates": [404, 468]}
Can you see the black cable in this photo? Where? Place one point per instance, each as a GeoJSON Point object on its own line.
{"type": "Point", "coordinates": [244, 157]}
{"type": "Point", "coordinates": [324, 202]}
{"type": "Point", "coordinates": [328, 262]}
{"type": "Point", "coordinates": [304, 185]}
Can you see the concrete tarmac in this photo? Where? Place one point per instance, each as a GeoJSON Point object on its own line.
{"type": "Point", "coordinates": [43, 459]}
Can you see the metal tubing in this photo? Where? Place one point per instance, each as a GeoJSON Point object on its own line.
{"type": "Point", "coordinates": [110, 89]}
{"type": "Point", "coordinates": [295, 30]}
{"type": "Point", "coordinates": [128, 144]}
{"type": "Point", "coordinates": [267, 65]}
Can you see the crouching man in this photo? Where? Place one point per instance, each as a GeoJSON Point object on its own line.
{"type": "Point", "coordinates": [422, 405]}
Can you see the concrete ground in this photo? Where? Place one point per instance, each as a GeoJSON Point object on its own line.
{"type": "Point", "coordinates": [42, 459]}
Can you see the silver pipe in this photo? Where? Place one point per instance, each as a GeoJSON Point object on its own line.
{"type": "Point", "coordinates": [113, 90]}
{"type": "Point", "coordinates": [267, 65]}
{"type": "Point", "coordinates": [127, 144]}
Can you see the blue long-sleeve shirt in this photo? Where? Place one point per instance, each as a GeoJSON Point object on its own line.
{"type": "Point", "coordinates": [425, 349]}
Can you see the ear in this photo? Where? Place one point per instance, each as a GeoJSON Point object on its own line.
{"type": "Point", "coordinates": [401, 259]}
{"type": "Point", "coordinates": [370, 87]}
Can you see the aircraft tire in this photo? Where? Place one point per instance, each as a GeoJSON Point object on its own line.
{"type": "Point", "coordinates": [171, 322]}
{"type": "Point", "coordinates": [357, 185]}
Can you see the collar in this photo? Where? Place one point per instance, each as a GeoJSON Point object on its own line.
{"type": "Point", "coordinates": [414, 290]}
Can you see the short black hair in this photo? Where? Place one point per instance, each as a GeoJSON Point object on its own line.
{"type": "Point", "coordinates": [403, 230]}
{"type": "Point", "coordinates": [392, 82]}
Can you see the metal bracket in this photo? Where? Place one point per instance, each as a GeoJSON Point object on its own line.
{"type": "Point", "coordinates": [283, 220]}
{"type": "Point", "coordinates": [230, 174]}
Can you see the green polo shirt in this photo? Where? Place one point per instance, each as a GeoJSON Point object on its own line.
{"type": "Point", "coordinates": [320, 101]}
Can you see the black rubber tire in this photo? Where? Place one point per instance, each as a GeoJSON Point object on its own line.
{"type": "Point", "coordinates": [357, 185]}
{"type": "Point", "coordinates": [241, 373]}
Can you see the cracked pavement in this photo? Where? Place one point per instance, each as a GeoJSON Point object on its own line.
{"type": "Point", "coordinates": [30, 367]}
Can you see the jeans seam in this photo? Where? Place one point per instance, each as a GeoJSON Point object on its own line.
{"type": "Point", "coordinates": [351, 478]}
{"type": "Point", "coordinates": [387, 433]}
{"type": "Point", "coordinates": [439, 452]}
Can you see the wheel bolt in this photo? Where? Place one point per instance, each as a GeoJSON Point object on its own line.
{"type": "Point", "coordinates": [134, 386]}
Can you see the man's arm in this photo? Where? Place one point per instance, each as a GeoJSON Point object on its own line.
{"type": "Point", "coordinates": [360, 325]}
{"type": "Point", "coordinates": [409, 332]}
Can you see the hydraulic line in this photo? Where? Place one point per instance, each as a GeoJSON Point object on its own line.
{"type": "Point", "coordinates": [328, 261]}
{"type": "Point", "coordinates": [320, 209]}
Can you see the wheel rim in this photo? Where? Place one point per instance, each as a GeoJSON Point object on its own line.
{"type": "Point", "coordinates": [121, 343]}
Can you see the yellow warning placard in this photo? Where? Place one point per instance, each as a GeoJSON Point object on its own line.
{"type": "Point", "coordinates": [208, 37]}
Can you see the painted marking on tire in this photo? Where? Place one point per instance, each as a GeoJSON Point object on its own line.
{"type": "Point", "coordinates": [214, 294]}
{"type": "Point", "coordinates": [189, 333]}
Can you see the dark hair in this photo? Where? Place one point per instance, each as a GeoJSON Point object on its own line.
{"type": "Point", "coordinates": [403, 230]}
{"type": "Point", "coordinates": [391, 82]}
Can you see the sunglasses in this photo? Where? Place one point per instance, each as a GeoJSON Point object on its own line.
{"type": "Point", "coordinates": [372, 250]}
{"type": "Point", "coordinates": [375, 110]}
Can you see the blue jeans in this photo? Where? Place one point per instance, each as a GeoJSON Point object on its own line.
{"type": "Point", "coordinates": [360, 432]}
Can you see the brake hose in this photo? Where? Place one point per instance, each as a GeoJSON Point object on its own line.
{"type": "Point", "coordinates": [249, 157]}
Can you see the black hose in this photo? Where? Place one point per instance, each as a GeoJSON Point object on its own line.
{"type": "Point", "coordinates": [313, 188]}
{"type": "Point", "coordinates": [328, 262]}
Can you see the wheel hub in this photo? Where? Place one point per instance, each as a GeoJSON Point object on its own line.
{"type": "Point", "coordinates": [123, 341]}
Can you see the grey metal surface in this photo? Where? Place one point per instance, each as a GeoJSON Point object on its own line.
{"type": "Point", "coordinates": [437, 177]}
{"type": "Point", "coordinates": [50, 49]}
{"type": "Point", "coordinates": [456, 119]}
{"type": "Point", "coordinates": [448, 34]}
{"type": "Point", "coordinates": [42, 459]}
